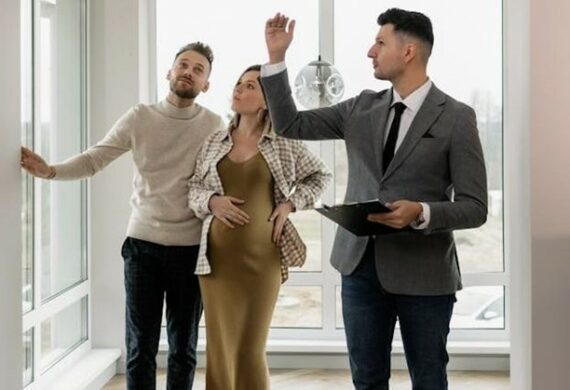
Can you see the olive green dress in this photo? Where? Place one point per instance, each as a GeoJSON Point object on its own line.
{"type": "Point", "coordinates": [240, 294]}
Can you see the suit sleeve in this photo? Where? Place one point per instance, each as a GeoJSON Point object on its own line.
{"type": "Point", "coordinates": [318, 124]}
{"type": "Point", "coordinates": [468, 209]}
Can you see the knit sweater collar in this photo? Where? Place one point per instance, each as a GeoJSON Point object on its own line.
{"type": "Point", "coordinates": [171, 111]}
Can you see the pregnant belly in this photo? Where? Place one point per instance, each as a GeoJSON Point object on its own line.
{"type": "Point", "coordinates": [253, 239]}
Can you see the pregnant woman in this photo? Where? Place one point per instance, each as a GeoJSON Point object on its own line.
{"type": "Point", "coordinates": [247, 181]}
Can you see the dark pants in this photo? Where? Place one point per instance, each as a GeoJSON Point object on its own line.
{"type": "Point", "coordinates": [154, 272]}
{"type": "Point", "coordinates": [370, 315]}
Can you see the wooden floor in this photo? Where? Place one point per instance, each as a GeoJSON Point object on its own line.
{"type": "Point", "coordinates": [340, 379]}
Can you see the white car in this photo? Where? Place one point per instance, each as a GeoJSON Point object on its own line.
{"type": "Point", "coordinates": [481, 307]}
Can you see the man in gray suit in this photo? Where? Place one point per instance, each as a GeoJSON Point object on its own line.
{"type": "Point", "coordinates": [419, 150]}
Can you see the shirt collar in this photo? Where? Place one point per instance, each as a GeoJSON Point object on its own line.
{"type": "Point", "coordinates": [414, 100]}
{"type": "Point", "coordinates": [267, 133]}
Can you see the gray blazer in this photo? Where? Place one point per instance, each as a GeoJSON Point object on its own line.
{"type": "Point", "coordinates": [440, 162]}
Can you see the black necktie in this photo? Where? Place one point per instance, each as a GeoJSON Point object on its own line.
{"type": "Point", "coordinates": [390, 147]}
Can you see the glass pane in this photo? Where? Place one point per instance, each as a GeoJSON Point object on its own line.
{"type": "Point", "coordinates": [233, 54]}
{"type": "Point", "coordinates": [173, 31]}
{"type": "Point", "coordinates": [481, 307]}
{"type": "Point", "coordinates": [478, 307]}
{"type": "Point", "coordinates": [28, 373]}
{"type": "Point", "coordinates": [27, 246]}
{"type": "Point", "coordinates": [58, 135]}
{"type": "Point", "coordinates": [338, 306]}
{"type": "Point", "coordinates": [298, 307]}
{"type": "Point", "coordinates": [340, 171]}
{"type": "Point", "coordinates": [62, 333]}
{"type": "Point", "coordinates": [27, 140]}
{"type": "Point", "coordinates": [308, 224]}
{"type": "Point", "coordinates": [480, 250]}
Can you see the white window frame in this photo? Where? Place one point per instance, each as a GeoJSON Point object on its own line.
{"type": "Point", "coordinates": [330, 279]}
{"type": "Point", "coordinates": [328, 337]}
{"type": "Point", "coordinates": [44, 309]}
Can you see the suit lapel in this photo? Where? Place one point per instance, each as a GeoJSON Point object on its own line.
{"type": "Point", "coordinates": [378, 119]}
{"type": "Point", "coordinates": [426, 116]}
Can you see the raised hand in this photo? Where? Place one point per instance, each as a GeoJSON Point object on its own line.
{"type": "Point", "coordinates": [224, 208]}
{"type": "Point", "coordinates": [278, 37]}
{"type": "Point", "coordinates": [278, 218]}
{"type": "Point", "coordinates": [35, 165]}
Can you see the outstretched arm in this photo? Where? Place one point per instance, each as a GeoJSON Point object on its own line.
{"type": "Point", "coordinates": [320, 124]}
{"type": "Point", "coordinates": [88, 163]}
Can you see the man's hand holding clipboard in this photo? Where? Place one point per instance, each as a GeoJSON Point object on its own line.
{"type": "Point", "coordinates": [400, 214]}
{"type": "Point", "coordinates": [372, 217]}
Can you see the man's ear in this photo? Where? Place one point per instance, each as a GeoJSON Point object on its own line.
{"type": "Point", "coordinates": [168, 75]}
{"type": "Point", "coordinates": [206, 87]}
{"type": "Point", "coordinates": [411, 52]}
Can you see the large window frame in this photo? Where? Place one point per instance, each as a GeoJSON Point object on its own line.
{"type": "Point", "coordinates": [40, 310]}
{"type": "Point", "coordinates": [329, 337]}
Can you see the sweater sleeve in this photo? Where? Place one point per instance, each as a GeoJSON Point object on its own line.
{"type": "Point", "coordinates": [114, 144]}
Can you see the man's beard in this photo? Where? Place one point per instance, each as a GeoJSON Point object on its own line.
{"type": "Point", "coordinates": [183, 93]}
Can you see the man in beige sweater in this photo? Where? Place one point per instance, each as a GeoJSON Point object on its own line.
{"type": "Point", "coordinates": [163, 234]}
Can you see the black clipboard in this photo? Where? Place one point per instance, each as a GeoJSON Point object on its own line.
{"type": "Point", "coordinates": [353, 217]}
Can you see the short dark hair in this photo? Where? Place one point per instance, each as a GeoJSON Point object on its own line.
{"type": "Point", "coordinates": [200, 48]}
{"type": "Point", "coordinates": [412, 23]}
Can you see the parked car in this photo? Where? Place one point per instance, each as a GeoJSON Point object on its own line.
{"type": "Point", "coordinates": [480, 307]}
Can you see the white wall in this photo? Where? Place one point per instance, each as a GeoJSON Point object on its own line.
{"type": "Point", "coordinates": [10, 199]}
{"type": "Point", "coordinates": [517, 186]}
{"type": "Point", "coordinates": [550, 193]}
{"type": "Point", "coordinates": [537, 65]}
{"type": "Point", "coordinates": [114, 88]}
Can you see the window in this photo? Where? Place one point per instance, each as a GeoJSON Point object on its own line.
{"type": "Point", "coordinates": [28, 340]}
{"type": "Point", "coordinates": [309, 303]}
{"type": "Point", "coordinates": [54, 295]}
{"type": "Point", "coordinates": [470, 77]}
{"type": "Point", "coordinates": [62, 332]}
{"type": "Point", "coordinates": [233, 54]}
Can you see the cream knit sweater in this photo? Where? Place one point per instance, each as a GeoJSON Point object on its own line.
{"type": "Point", "coordinates": [165, 141]}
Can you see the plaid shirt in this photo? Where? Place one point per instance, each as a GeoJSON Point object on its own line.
{"type": "Point", "coordinates": [299, 177]}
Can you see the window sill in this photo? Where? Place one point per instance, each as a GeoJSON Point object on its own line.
{"type": "Point", "coordinates": [339, 347]}
{"type": "Point", "coordinates": [304, 354]}
{"type": "Point", "coordinates": [91, 371]}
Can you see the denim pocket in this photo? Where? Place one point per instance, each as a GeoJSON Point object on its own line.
{"type": "Point", "coordinates": [127, 249]}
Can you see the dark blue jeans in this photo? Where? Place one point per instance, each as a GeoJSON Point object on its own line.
{"type": "Point", "coordinates": [370, 315]}
{"type": "Point", "coordinates": [154, 273]}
